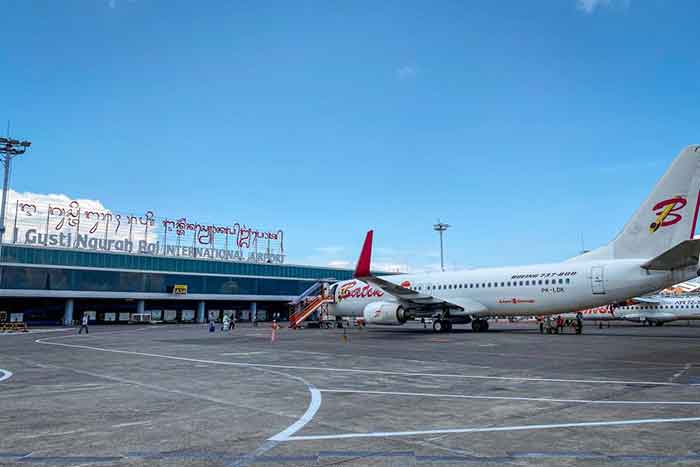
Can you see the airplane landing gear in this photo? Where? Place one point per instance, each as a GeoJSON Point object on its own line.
{"type": "Point", "coordinates": [442, 325]}
{"type": "Point", "coordinates": [480, 325]}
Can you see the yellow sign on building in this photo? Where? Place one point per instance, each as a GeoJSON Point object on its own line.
{"type": "Point", "coordinates": [180, 289]}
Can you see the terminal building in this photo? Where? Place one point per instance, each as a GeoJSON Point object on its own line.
{"type": "Point", "coordinates": [53, 286]}
{"type": "Point", "coordinates": [60, 260]}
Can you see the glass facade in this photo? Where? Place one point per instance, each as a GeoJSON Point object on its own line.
{"type": "Point", "coordinates": [15, 277]}
{"type": "Point", "coordinates": [92, 259]}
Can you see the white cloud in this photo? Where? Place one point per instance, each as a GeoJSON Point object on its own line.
{"type": "Point", "coordinates": [339, 263]}
{"type": "Point", "coordinates": [29, 210]}
{"type": "Point", "coordinates": [406, 72]}
{"type": "Point", "coordinates": [589, 6]}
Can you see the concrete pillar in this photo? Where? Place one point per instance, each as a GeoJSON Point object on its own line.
{"type": "Point", "coordinates": [140, 305]}
{"type": "Point", "coordinates": [201, 308]}
{"type": "Point", "coordinates": [254, 311]}
{"type": "Point", "coordinates": [68, 312]}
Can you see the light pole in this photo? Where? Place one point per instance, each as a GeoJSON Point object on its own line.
{"type": "Point", "coordinates": [440, 227]}
{"type": "Point", "coordinates": [9, 149]}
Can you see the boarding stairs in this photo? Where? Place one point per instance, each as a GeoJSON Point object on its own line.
{"type": "Point", "coordinates": [313, 299]}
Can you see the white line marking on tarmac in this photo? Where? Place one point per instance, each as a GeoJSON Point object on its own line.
{"type": "Point", "coordinates": [122, 425]}
{"type": "Point", "coordinates": [5, 374]}
{"type": "Point", "coordinates": [49, 433]}
{"type": "Point", "coordinates": [685, 368]}
{"type": "Point", "coordinates": [34, 331]}
{"type": "Point", "coordinates": [364, 371]}
{"type": "Point", "coordinates": [386, 434]}
{"type": "Point", "coordinates": [239, 353]}
{"type": "Point", "coordinates": [51, 392]}
{"type": "Point", "coordinates": [512, 398]}
{"type": "Point", "coordinates": [314, 405]}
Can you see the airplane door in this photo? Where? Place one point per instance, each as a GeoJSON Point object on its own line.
{"type": "Point", "coordinates": [598, 280]}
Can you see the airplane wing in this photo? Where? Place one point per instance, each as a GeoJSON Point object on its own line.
{"type": "Point", "coordinates": [407, 295]}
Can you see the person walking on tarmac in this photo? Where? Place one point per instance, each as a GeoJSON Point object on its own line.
{"type": "Point", "coordinates": [84, 324]}
{"type": "Point", "coordinates": [539, 318]}
{"type": "Point", "coordinates": [225, 323]}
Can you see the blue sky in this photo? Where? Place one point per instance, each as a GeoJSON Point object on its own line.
{"type": "Point", "coordinates": [523, 124]}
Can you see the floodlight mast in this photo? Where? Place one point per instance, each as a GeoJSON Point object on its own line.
{"type": "Point", "coordinates": [441, 227]}
{"type": "Point", "coordinates": [9, 149]}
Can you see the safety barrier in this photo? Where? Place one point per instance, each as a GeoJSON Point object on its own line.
{"type": "Point", "coordinates": [13, 327]}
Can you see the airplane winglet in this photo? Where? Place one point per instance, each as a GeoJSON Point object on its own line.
{"type": "Point", "coordinates": [365, 259]}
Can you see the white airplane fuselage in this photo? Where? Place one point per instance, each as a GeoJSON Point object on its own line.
{"type": "Point", "coordinates": [519, 291]}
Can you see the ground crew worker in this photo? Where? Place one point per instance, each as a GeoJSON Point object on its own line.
{"type": "Point", "coordinates": [579, 323]}
{"type": "Point", "coordinates": [275, 327]}
{"type": "Point", "coordinates": [226, 323]}
{"type": "Point", "coordinates": [84, 324]}
{"type": "Point", "coordinates": [539, 318]}
{"type": "Point", "coordinates": [548, 324]}
{"type": "Point", "coordinates": [560, 324]}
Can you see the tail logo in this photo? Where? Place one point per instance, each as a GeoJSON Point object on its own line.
{"type": "Point", "coordinates": [665, 213]}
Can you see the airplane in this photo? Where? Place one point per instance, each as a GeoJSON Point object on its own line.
{"type": "Point", "coordinates": [658, 309]}
{"type": "Point", "coordinates": [655, 249]}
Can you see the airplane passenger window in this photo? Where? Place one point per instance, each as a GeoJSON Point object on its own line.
{"type": "Point", "coordinates": [527, 282]}
{"type": "Point", "coordinates": [483, 285]}
{"type": "Point", "coordinates": [503, 284]}
{"type": "Point", "coordinates": [539, 282]}
{"type": "Point", "coordinates": [561, 281]}
{"type": "Point", "coordinates": [567, 281]}
{"type": "Point", "coordinates": [521, 283]}
{"type": "Point", "coordinates": [471, 286]}
{"type": "Point", "coordinates": [489, 284]}
{"type": "Point", "coordinates": [508, 284]}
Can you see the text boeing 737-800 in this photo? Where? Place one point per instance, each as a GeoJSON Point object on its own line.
{"type": "Point", "coordinates": [654, 250]}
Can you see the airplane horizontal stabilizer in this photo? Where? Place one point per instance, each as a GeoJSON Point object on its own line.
{"type": "Point", "coordinates": [682, 255]}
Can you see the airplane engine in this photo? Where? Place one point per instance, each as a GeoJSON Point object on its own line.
{"type": "Point", "coordinates": [384, 313]}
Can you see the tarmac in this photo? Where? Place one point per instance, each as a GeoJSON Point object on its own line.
{"type": "Point", "coordinates": [179, 395]}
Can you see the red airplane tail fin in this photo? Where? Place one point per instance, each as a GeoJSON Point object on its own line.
{"type": "Point", "coordinates": [365, 259]}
